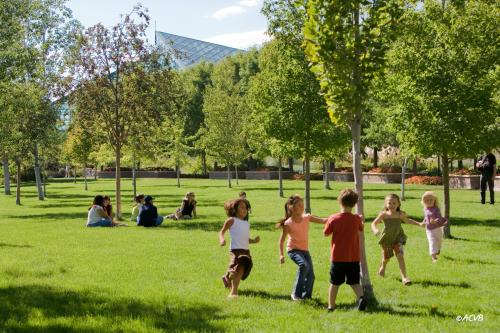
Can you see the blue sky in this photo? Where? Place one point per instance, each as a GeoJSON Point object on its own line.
{"type": "Point", "coordinates": [236, 23]}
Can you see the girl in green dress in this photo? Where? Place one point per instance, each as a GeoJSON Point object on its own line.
{"type": "Point", "coordinates": [392, 238]}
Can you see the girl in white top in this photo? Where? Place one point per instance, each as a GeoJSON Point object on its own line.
{"type": "Point", "coordinates": [240, 263]}
{"type": "Point", "coordinates": [97, 216]}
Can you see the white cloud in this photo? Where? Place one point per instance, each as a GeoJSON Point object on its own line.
{"type": "Point", "coordinates": [240, 40]}
{"type": "Point", "coordinates": [249, 3]}
{"type": "Point", "coordinates": [228, 11]}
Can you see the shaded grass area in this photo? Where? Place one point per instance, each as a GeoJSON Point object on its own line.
{"type": "Point", "coordinates": [58, 276]}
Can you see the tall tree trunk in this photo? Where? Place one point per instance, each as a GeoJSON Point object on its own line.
{"type": "Point", "coordinates": [280, 177]}
{"type": "Point", "coordinates": [178, 172]}
{"type": "Point", "coordinates": [204, 163]}
{"type": "Point", "coordinates": [44, 179]}
{"type": "Point", "coordinates": [38, 178]}
{"type": "Point", "coordinates": [475, 162]}
{"type": "Point", "coordinates": [439, 166]}
{"type": "Point", "coordinates": [228, 175]}
{"type": "Point", "coordinates": [74, 174]}
{"type": "Point", "coordinates": [85, 177]}
{"type": "Point", "coordinates": [95, 173]}
{"type": "Point", "coordinates": [118, 176]}
{"type": "Point", "coordinates": [446, 188]}
{"type": "Point", "coordinates": [415, 169]}
{"type": "Point", "coordinates": [307, 173]}
{"type": "Point", "coordinates": [375, 157]}
{"type": "Point", "coordinates": [134, 174]}
{"type": "Point", "coordinates": [18, 185]}
{"type": "Point", "coordinates": [326, 178]}
{"type": "Point", "coordinates": [6, 175]}
{"type": "Point", "coordinates": [236, 172]}
{"type": "Point", "coordinates": [403, 177]}
{"type": "Point", "coordinates": [290, 164]}
{"type": "Point", "coordinates": [460, 164]}
{"type": "Point", "coordinates": [215, 166]}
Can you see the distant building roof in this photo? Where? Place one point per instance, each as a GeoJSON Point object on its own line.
{"type": "Point", "coordinates": [192, 51]}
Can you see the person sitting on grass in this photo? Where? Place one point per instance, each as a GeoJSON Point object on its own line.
{"type": "Point", "coordinates": [97, 216]}
{"type": "Point", "coordinates": [187, 210]}
{"type": "Point", "coordinates": [139, 201]}
{"type": "Point", "coordinates": [345, 228]}
{"type": "Point", "coordinates": [148, 214]}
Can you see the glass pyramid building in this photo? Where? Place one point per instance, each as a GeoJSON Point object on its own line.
{"type": "Point", "coordinates": [189, 51]}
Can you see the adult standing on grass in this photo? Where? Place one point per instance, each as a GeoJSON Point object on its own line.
{"type": "Point", "coordinates": [148, 214]}
{"type": "Point", "coordinates": [487, 164]}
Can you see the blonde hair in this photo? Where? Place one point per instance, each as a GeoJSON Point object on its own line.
{"type": "Point", "coordinates": [430, 194]}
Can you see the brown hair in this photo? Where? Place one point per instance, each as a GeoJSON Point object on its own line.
{"type": "Point", "coordinates": [139, 198]}
{"type": "Point", "coordinates": [348, 198]}
{"type": "Point", "coordinates": [291, 201]}
{"type": "Point", "coordinates": [231, 207]}
{"type": "Point", "coordinates": [393, 196]}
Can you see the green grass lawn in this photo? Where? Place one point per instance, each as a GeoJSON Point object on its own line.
{"type": "Point", "coordinates": [56, 275]}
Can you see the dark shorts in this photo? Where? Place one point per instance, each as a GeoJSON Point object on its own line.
{"type": "Point", "coordinates": [342, 271]}
{"type": "Point", "coordinates": [239, 258]}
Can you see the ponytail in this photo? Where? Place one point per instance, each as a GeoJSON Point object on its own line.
{"type": "Point", "coordinates": [292, 200]}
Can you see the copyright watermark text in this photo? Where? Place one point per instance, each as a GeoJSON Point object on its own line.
{"type": "Point", "coordinates": [470, 317]}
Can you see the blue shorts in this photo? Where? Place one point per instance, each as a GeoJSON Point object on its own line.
{"type": "Point", "coordinates": [101, 223]}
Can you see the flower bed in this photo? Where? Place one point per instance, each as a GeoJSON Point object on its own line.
{"type": "Point", "coordinates": [424, 180]}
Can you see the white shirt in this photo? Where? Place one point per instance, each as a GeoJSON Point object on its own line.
{"type": "Point", "coordinates": [94, 215]}
{"type": "Point", "coordinates": [240, 234]}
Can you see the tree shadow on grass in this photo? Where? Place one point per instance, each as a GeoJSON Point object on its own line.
{"type": "Point", "coordinates": [409, 310]}
{"type": "Point", "coordinates": [470, 261]}
{"type": "Point", "coordinates": [213, 226]}
{"type": "Point", "coordinates": [55, 217]}
{"type": "Point", "coordinates": [462, 221]}
{"type": "Point", "coordinates": [53, 305]}
{"type": "Point", "coordinates": [440, 284]}
{"type": "Point", "coordinates": [14, 245]}
{"type": "Point", "coordinates": [314, 302]}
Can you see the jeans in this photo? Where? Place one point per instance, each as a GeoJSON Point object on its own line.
{"type": "Point", "coordinates": [304, 281]}
{"type": "Point", "coordinates": [101, 223]}
{"type": "Point", "coordinates": [159, 220]}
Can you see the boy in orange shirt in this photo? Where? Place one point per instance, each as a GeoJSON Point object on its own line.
{"type": "Point", "coordinates": [345, 228]}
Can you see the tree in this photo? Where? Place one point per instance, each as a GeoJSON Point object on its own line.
{"type": "Point", "coordinates": [195, 80]}
{"type": "Point", "coordinates": [442, 82]}
{"type": "Point", "coordinates": [113, 72]}
{"type": "Point", "coordinates": [346, 41]}
{"type": "Point", "coordinates": [225, 115]}
{"type": "Point", "coordinates": [285, 96]}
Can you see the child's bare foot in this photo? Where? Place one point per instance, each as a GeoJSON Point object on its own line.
{"type": "Point", "coordinates": [225, 280]}
{"type": "Point", "coordinates": [331, 308]}
{"type": "Point", "coordinates": [434, 258]}
{"type": "Point", "coordinates": [406, 281]}
{"type": "Point", "coordinates": [232, 296]}
{"type": "Point", "coordinates": [381, 271]}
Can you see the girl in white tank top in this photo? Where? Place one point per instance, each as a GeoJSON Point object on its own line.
{"type": "Point", "coordinates": [240, 263]}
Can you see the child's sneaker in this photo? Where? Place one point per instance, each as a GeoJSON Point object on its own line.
{"type": "Point", "coordinates": [295, 298]}
{"type": "Point", "coordinates": [361, 304]}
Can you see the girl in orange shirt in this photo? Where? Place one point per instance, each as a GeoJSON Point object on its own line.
{"type": "Point", "coordinates": [295, 225]}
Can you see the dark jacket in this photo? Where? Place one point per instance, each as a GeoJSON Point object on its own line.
{"type": "Point", "coordinates": [147, 215]}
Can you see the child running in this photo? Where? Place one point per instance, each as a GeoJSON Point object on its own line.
{"type": "Point", "coordinates": [345, 228]}
{"type": "Point", "coordinates": [392, 238]}
{"type": "Point", "coordinates": [295, 225]}
{"type": "Point", "coordinates": [240, 261]}
{"type": "Point", "coordinates": [434, 223]}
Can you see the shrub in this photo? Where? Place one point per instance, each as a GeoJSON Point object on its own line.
{"type": "Point", "coordinates": [425, 180]}
{"type": "Point", "coordinates": [465, 172]}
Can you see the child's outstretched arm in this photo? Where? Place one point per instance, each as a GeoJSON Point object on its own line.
{"type": "Point", "coordinates": [229, 222]}
{"type": "Point", "coordinates": [284, 233]}
{"type": "Point", "coordinates": [316, 219]}
{"type": "Point", "coordinates": [407, 220]}
{"type": "Point", "coordinates": [377, 220]}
